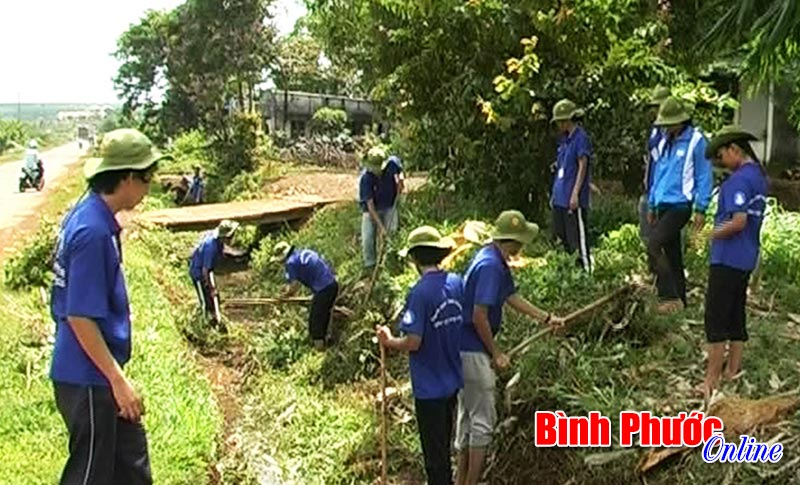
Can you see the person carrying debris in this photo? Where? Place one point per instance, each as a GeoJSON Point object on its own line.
{"type": "Point", "coordinates": [570, 196]}
{"type": "Point", "coordinates": [681, 185]}
{"type": "Point", "coordinates": [735, 247]}
{"type": "Point", "coordinates": [99, 404]}
{"type": "Point", "coordinates": [489, 286]}
{"type": "Point", "coordinates": [306, 267]}
{"type": "Point", "coordinates": [659, 95]}
{"type": "Point", "coordinates": [375, 223]}
{"type": "Point", "coordinates": [431, 324]}
{"type": "Point", "coordinates": [390, 186]}
{"type": "Point", "coordinates": [201, 267]}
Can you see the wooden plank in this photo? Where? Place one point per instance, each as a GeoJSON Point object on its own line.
{"type": "Point", "coordinates": [252, 211]}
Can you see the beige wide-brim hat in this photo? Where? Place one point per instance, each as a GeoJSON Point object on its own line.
{"type": "Point", "coordinates": [428, 237]}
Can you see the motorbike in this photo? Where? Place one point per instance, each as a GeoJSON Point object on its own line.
{"type": "Point", "coordinates": [32, 178]}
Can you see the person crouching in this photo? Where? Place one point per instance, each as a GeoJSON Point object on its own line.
{"type": "Point", "coordinates": [306, 267]}
{"type": "Point", "coordinates": [431, 324]}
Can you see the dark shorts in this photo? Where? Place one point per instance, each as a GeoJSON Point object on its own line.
{"type": "Point", "coordinates": [726, 298]}
{"type": "Point", "coordinates": [320, 315]}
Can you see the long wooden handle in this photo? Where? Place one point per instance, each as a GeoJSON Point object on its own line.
{"type": "Point", "coordinates": [384, 464]}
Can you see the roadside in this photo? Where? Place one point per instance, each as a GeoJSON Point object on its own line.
{"type": "Point", "coordinates": [22, 211]}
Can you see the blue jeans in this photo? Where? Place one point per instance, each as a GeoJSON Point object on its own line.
{"type": "Point", "coordinates": [369, 233]}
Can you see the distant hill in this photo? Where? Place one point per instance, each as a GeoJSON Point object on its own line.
{"type": "Point", "coordinates": [35, 111]}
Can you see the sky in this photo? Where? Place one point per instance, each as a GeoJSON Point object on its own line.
{"type": "Point", "coordinates": [59, 51]}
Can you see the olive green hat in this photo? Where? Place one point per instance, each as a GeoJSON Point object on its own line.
{"type": "Point", "coordinates": [227, 228]}
{"type": "Point", "coordinates": [374, 158]}
{"type": "Point", "coordinates": [672, 112]}
{"type": "Point", "coordinates": [726, 136]}
{"type": "Point", "coordinates": [124, 149]}
{"type": "Point", "coordinates": [659, 95]}
{"type": "Point", "coordinates": [566, 110]}
{"type": "Point", "coordinates": [428, 237]}
{"type": "Point", "coordinates": [512, 225]}
{"type": "Point", "coordinates": [280, 252]}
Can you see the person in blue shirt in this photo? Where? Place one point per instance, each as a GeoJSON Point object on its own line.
{"type": "Point", "coordinates": [203, 261]}
{"type": "Point", "coordinates": [431, 327]}
{"type": "Point", "coordinates": [306, 267]}
{"type": "Point", "coordinates": [571, 185]}
{"type": "Point", "coordinates": [489, 286]}
{"type": "Point", "coordinates": [735, 247]}
{"type": "Point", "coordinates": [390, 186]}
{"type": "Point", "coordinates": [100, 405]}
{"type": "Point", "coordinates": [681, 185]}
{"type": "Point", "coordinates": [659, 95]}
{"type": "Point", "coordinates": [196, 193]}
{"type": "Point", "coordinates": [375, 222]}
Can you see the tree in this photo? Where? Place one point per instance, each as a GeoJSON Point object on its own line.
{"type": "Point", "coordinates": [199, 57]}
{"type": "Point", "coordinates": [301, 65]}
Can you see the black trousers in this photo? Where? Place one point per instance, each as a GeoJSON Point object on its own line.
{"type": "Point", "coordinates": [572, 229]}
{"type": "Point", "coordinates": [665, 253]}
{"type": "Point", "coordinates": [321, 307]}
{"type": "Point", "coordinates": [726, 302]}
{"type": "Point", "coordinates": [208, 304]}
{"type": "Point", "coordinates": [104, 449]}
{"type": "Point", "coordinates": [435, 422]}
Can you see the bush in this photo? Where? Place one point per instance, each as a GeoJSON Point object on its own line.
{"type": "Point", "coordinates": [329, 121]}
{"type": "Point", "coordinates": [32, 265]}
{"type": "Point", "coordinates": [609, 212]}
{"type": "Point", "coordinates": [189, 149]}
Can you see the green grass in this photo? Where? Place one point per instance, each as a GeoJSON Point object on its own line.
{"type": "Point", "coordinates": [183, 420]}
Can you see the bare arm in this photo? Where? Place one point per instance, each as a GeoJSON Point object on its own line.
{"type": "Point", "coordinates": [92, 342]}
{"type": "Point", "coordinates": [480, 318]}
{"type": "Point", "coordinates": [525, 307]}
{"type": "Point", "coordinates": [576, 190]}
{"type": "Point", "coordinates": [730, 228]}
{"type": "Point", "coordinates": [290, 289]}
{"type": "Point", "coordinates": [406, 343]}
{"type": "Point", "coordinates": [401, 183]}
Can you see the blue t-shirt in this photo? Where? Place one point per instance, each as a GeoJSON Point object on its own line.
{"type": "Point", "coordinates": [205, 255]}
{"type": "Point", "coordinates": [387, 184]}
{"type": "Point", "coordinates": [196, 189]}
{"type": "Point", "coordinates": [434, 312]}
{"type": "Point", "coordinates": [89, 283]}
{"type": "Point", "coordinates": [307, 267]}
{"type": "Point", "coordinates": [367, 188]}
{"type": "Point", "coordinates": [653, 153]}
{"type": "Point", "coordinates": [744, 191]}
{"type": "Point", "coordinates": [488, 282]}
{"type": "Point", "coordinates": [570, 148]}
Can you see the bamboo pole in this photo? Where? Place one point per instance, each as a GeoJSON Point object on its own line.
{"type": "Point", "coordinates": [384, 464]}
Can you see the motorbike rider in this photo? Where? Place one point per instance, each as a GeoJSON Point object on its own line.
{"type": "Point", "coordinates": [33, 167]}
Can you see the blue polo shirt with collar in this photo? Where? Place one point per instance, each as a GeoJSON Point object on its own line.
{"type": "Point", "coordinates": [89, 283]}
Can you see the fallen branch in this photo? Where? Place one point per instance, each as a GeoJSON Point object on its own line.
{"type": "Point", "coordinates": [571, 318]}
{"type": "Point", "coordinates": [245, 302]}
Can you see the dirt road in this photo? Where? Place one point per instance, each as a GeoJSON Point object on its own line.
{"type": "Point", "coordinates": [18, 210]}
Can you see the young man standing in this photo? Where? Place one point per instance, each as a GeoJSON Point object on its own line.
{"type": "Point", "coordinates": [432, 326]}
{"type": "Point", "coordinates": [99, 404]}
{"type": "Point", "coordinates": [489, 286]}
{"type": "Point", "coordinates": [681, 185]}
{"type": "Point", "coordinates": [201, 267]}
{"type": "Point", "coordinates": [735, 247]}
{"type": "Point", "coordinates": [197, 188]}
{"type": "Point", "coordinates": [375, 223]}
{"type": "Point", "coordinates": [570, 197]}
{"type": "Point", "coordinates": [306, 267]}
{"type": "Point", "coordinates": [659, 95]}
{"type": "Point", "coordinates": [390, 187]}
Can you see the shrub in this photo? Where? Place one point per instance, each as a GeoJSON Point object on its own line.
{"type": "Point", "coordinates": [32, 265]}
{"type": "Point", "coordinates": [328, 121]}
{"type": "Point", "coordinates": [189, 149]}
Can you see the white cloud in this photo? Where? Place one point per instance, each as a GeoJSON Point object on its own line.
{"type": "Point", "coordinates": [57, 51]}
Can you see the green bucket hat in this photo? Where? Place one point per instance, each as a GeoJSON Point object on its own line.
{"type": "Point", "coordinates": [566, 110]}
{"type": "Point", "coordinates": [280, 252]}
{"type": "Point", "coordinates": [124, 149]}
{"type": "Point", "coordinates": [659, 95]}
{"type": "Point", "coordinates": [428, 237]}
{"type": "Point", "coordinates": [726, 136]}
{"type": "Point", "coordinates": [672, 112]}
{"type": "Point", "coordinates": [374, 158]}
{"type": "Point", "coordinates": [512, 225]}
{"type": "Point", "coordinates": [227, 228]}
